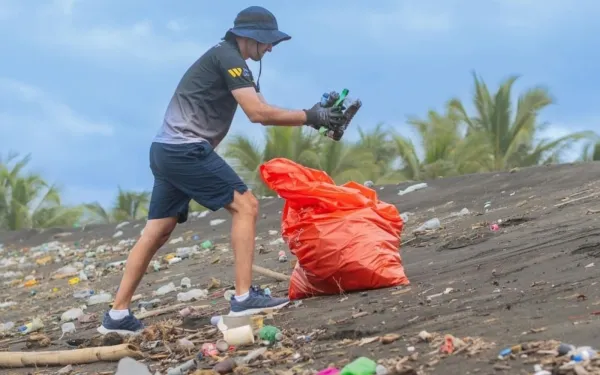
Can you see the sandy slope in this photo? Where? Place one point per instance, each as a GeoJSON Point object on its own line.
{"type": "Point", "coordinates": [526, 282]}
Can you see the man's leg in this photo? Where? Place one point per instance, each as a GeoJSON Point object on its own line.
{"type": "Point", "coordinates": [248, 300]}
{"type": "Point", "coordinates": [210, 181]}
{"type": "Point", "coordinates": [156, 234]}
{"type": "Point", "coordinates": [168, 206]}
{"type": "Point", "coordinates": [244, 211]}
{"type": "Point", "coordinates": [119, 319]}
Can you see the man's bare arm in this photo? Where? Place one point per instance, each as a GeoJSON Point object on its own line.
{"type": "Point", "coordinates": [258, 110]}
{"type": "Point", "coordinates": [262, 98]}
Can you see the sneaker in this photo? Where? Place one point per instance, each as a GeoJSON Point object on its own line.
{"type": "Point", "coordinates": [256, 302]}
{"type": "Point", "coordinates": [129, 325]}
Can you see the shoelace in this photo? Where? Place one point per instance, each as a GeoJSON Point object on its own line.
{"type": "Point", "coordinates": [258, 290]}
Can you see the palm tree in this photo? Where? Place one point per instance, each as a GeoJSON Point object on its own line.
{"type": "Point", "coordinates": [344, 161]}
{"type": "Point", "coordinates": [384, 155]}
{"type": "Point", "coordinates": [129, 205]}
{"type": "Point", "coordinates": [28, 201]}
{"type": "Point", "coordinates": [509, 133]}
{"type": "Point", "coordinates": [410, 165]}
{"type": "Point", "coordinates": [591, 152]}
{"type": "Point", "coordinates": [295, 143]}
{"type": "Point", "coordinates": [98, 213]}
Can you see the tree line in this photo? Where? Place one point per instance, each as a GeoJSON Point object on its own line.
{"type": "Point", "coordinates": [498, 135]}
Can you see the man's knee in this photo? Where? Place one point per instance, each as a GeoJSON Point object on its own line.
{"type": "Point", "coordinates": [159, 230]}
{"type": "Point", "coordinates": [245, 204]}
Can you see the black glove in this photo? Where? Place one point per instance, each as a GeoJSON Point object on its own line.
{"type": "Point", "coordinates": [329, 117]}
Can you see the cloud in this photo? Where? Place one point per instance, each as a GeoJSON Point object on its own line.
{"type": "Point", "coordinates": [396, 22]}
{"type": "Point", "coordinates": [518, 16]}
{"type": "Point", "coordinates": [60, 24]}
{"type": "Point", "coordinates": [406, 18]}
{"type": "Point", "coordinates": [139, 41]}
{"type": "Point", "coordinates": [64, 142]}
{"type": "Point", "coordinates": [63, 119]}
{"type": "Point", "coordinates": [176, 26]}
{"type": "Point", "coordinates": [61, 139]}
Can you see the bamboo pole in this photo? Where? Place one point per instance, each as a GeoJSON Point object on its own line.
{"type": "Point", "coordinates": [69, 357]}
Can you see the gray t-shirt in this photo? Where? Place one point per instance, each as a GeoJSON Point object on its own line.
{"type": "Point", "coordinates": [202, 107]}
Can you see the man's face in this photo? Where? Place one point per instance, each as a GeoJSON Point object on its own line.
{"type": "Point", "coordinates": [258, 50]}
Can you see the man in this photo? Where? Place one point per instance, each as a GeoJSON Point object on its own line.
{"type": "Point", "coordinates": [185, 165]}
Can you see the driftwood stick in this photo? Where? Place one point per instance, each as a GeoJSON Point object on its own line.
{"type": "Point", "coordinates": [168, 309]}
{"type": "Point", "coordinates": [593, 195]}
{"type": "Point", "coordinates": [267, 272]}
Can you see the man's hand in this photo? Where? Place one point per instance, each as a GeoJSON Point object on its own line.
{"type": "Point", "coordinates": [329, 117]}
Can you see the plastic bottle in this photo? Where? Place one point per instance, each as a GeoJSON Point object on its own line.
{"type": "Point", "coordinates": [99, 298]}
{"type": "Point", "coordinates": [83, 294]}
{"type": "Point", "coordinates": [184, 252]}
{"type": "Point", "coordinates": [192, 294]}
{"type": "Point", "coordinates": [270, 334]}
{"type": "Point", "coordinates": [170, 287]}
{"type": "Point", "coordinates": [430, 224]}
{"type": "Point", "coordinates": [360, 366]}
{"type": "Point", "coordinates": [148, 304]}
{"type": "Point", "coordinates": [71, 314]}
{"type": "Point", "coordinates": [35, 325]}
{"type": "Point", "coordinates": [583, 353]}
{"type": "Point", "coordinates": [186, 282]}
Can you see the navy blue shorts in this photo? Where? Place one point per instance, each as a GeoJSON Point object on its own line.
{"type": "Point", "coordinates": [189, 171]}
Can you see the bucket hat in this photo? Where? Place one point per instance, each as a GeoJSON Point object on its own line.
{"type": "Point", "coordinates": [259, 24]}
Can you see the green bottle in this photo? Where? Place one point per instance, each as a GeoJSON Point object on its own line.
{"type": "Point", "coordinates": [270, 334]}
{"type": "Point", "coordinates": [360, 366]}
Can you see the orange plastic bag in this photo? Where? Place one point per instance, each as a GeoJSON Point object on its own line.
{"type": "Point", "coordinates": [345, 239]}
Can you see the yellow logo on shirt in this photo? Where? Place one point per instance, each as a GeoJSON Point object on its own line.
{"type": "Point", "coordinates": [235, 72]}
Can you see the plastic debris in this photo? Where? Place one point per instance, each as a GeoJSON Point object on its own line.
{"type": "Point", "coordinates": [412, 188]}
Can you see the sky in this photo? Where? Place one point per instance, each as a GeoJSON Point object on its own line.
{"type": "Point", "coordinates": [84, 83]}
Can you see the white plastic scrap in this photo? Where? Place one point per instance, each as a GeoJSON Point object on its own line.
{"type": "Point", "coordinates": [11, 275]}
{"type": "Point", "coordinates": [176, 240]}
{"type": "Point", "coordinates": [71, 314]}
{"type": "Point", "coordinates": [278, 241]}
{"type": "Point", "coordinates": [6, 304]}
{"type": "Point", "coordinates": [447, 291]}
{"type": "Point", "coordinates": [192, 294]}
{"type": "Point", "coordinates": [430, 224]}
{"type": "Point", "coordinates": [170, 287]}
{"type": "Point", "coordinates": [121, 225]}
{"type": "Point", "coordinates": [405, 216]}
{"type": "Point", "coordinates": [216, 222]}
{"type": "Point", "coordinates": [129, 366]}
{"type": "Point", "coordinates": [412, 188]}
{"type": "Point", "coordinates": [50, 246]}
